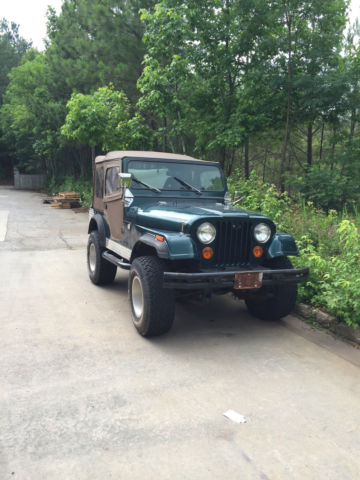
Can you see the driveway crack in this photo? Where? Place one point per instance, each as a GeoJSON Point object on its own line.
{"type": "Point", "coordinates": [61, 236]}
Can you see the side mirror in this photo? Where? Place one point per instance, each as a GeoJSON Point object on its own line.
{"type": "Point", "coordinates": [125, 180]}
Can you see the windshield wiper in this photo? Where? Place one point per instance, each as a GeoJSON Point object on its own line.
{"type": "Point", "coordinates": [190, 187]}
{"type": "Point", "coordinates": [154, 189]}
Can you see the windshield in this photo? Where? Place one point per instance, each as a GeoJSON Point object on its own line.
{"type": "Point", "coordinates": [176, 176]}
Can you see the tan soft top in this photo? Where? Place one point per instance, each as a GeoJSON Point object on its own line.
{"type": "Point", "coordinates": [143, 154]}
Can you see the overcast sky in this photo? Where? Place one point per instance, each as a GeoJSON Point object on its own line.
{"type": "Point", "coordinates": [31, 16]}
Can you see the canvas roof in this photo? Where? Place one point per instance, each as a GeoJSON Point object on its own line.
{"type": "Point", "coordinates": [144, 154]}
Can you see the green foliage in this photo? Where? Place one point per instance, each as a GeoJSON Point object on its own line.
{"type": "Point", "coordinates": [328, 243]}
{"type": "Point", "coordinates": [29, 114]}
{"type": "Point", "coordinates": [332, 185]}
{"type": "Point", "coordinates": [95, 42]}
{"type": "Point", "coordinates": [335, 284]}
{"type": "Point", "coordinates": [217, 79]}
{"type": "Point", "coordinates": [98, 119]}
{"type": "Point", "coordinates": [203, 73]}
{"type": "Point", "coordinates": [12, 48]}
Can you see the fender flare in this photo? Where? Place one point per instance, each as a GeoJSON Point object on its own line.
{"type": "Point", "coordinates": [97, 222]}
{"type": "Point", "coordinates": [161, 248]}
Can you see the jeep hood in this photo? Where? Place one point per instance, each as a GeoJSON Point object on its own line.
{"type": "Point", "coordinates": [167, 217]}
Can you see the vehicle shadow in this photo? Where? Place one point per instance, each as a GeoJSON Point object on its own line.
{"type": "Point", "coordinates": [223, 317]}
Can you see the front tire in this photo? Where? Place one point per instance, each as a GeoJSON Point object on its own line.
{"type": "Point", "coordinates": [101, 272]}
{"type": "Point", "coordinates": [152, 306]}
{"type": "Point", "coordinates": [276, 301]}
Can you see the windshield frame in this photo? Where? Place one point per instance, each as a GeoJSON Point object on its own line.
{"type": "Point", "coordinates": [181, 190]}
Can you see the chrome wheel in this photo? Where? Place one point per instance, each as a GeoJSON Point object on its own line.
{"type": "Point", "coordinates": [92, 258]}
{"type": "Point", "coordinates": [137, 297]}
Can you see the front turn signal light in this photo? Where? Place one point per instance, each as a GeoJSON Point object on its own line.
{"type": "Point", "coordinates": [207, 253]}
{"type": "Point", "coordinates": [258, 251]}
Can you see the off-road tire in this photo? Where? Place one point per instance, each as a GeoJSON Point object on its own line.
{"type": "Point", "coordinates": [282, 298]}
{"type": "Point", "coordinates": [101, 272]}
{"type": "Point", "coordinates": [152, 306]}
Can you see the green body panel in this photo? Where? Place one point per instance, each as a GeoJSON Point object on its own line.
{"type": "Point", "coordinates": [180, 246]}
{"type": "Point", "coordinates": [282, 244]}
{"type": "Point", "coordinates": [178, 224]}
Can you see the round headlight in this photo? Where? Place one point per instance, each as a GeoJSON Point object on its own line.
{"type": "Point", "coordinates": [262, 232]}
{"type": "Point", "coordinates": [206, 232]}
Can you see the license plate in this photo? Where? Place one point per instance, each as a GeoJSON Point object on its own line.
{"type": "Point", "coordinates": [248, 280]}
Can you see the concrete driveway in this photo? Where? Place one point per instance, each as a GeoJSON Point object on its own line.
{"type": "Point", "coordinates": [83, 396]}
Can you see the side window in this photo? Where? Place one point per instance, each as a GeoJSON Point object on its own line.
{"type": "Point", "coordinates": [111, 182]}
{"type": "Point", "coordinates": [99, 182]}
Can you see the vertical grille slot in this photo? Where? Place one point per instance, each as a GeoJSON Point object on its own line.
{"type": "Point", "coordinates": [233, 243]}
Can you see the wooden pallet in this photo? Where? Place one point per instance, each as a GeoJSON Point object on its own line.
{"type": "Point", "coordinates": [69, 195]}
{"type": "Point", "coordinates": [66, 200]}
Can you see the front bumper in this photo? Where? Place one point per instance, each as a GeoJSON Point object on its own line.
{"type": "Point", "coordinates": [226, 279]}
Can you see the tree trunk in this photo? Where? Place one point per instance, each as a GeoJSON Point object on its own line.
{"type": "Point", "coordinates": [352, 122]}
{"type": "Point", "coordinates": [223, 156]}
{"type": "Point", "coordinates": [288, 107]}
{"type": "Point", "coordinates": [321, 140]}
{"type": "Point", "coordinates": [181, 137]}
{"type": "Point", "coordinates": [81, 164]}
{"type": "Point", "coordinates": [246, 160]}
{"type": "Point", "coordinates": [265, 162]}
{"type": "Point", "coordinates": [230, 164]}
{"type": "Point", "coordinates": [93, 160]}
{"type": "Point", "coordinates": [333, 145]}
{"type": "Point", "coordinates": [83, 161]}
{"type": "Point", "coordinates": [164, 135]}
{"type": "Point", "coordinates": [285, 144]}
{"type": "Point", "coordinates": [309, 146]}
{"type": "Point", "coordinates": [155, 145]}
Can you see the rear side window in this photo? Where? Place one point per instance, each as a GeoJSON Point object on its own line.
{"type": "Point", "coordinates": [99, 182]}
{"type": "Point", "coordinates": [112, 180]}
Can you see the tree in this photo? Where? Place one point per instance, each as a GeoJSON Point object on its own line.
{"type": "Point", "coordinates": [352, 71]}
{"type": "Point", "coordinates": [100, 119]}
{"type": "Point", "coordinates": [95, 42]}
{"type": "Point", "coordinates": [29, 114]}
{"type": "Point", "coordinates": [201, 73]}
{"type": "Point", "coordinates": [12, 48]}
{"type": "Point", "coordinates": [166, 74]}
{"type": "Point", "coordinates": [309, 49]}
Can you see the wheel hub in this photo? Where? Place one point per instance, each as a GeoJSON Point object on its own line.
{"type": "Point", "coordinates": [92, 258]}
{"type": "Point", "coordinates": [137, 297]}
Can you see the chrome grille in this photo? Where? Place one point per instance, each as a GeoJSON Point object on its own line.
{"type": "Point", "coordinates": [232, 243]}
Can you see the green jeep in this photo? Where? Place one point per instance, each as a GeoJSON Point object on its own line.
{"type": "Point", "coordinates": [168, 220]}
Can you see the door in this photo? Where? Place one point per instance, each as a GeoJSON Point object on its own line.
{"type": "Point", "coordinates": [114, 202]}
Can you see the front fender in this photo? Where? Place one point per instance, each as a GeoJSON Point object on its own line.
{"type": "Point", "coordinates": [282, 245]}
{"type": "Point", "coordinates": [181, 247]}
{"type": "Point", "coordinates": [177, 246]}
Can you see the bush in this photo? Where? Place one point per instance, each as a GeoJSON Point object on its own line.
{"type": "Point", "coordinates": [335, 283]}
{"type": "Point", "coordinates": [329, 244]}
{"type": "Point", "coordinates": [72, 184]}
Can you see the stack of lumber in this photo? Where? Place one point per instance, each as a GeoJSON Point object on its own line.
{"type": "Point", "coordinates": [66, 200]}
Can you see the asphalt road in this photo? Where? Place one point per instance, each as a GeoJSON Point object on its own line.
{"type": "Point", "coordinates": [83, 396]}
